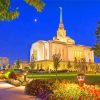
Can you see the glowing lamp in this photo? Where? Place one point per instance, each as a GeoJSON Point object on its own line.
{"type": "Point", "coordinates": [81, 78]}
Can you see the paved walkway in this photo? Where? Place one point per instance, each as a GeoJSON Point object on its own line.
{"type": "Point", "coordinates": [10, 92]}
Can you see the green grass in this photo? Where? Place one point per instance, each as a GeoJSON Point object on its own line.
{"type": "Point", "coordinates": [90, 78]}
{"type": "Point", "coordinates": [93, 78]}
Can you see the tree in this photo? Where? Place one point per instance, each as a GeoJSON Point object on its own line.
{"type": "Point", "coordinates": [83, 65]}
{"type": "Point", "coordinates": [69, 65]}
{"type": "Point", "coordinates": [18, 63]}
{"type": "Point", "coordinates": [97, 45]}
{"type": "Point", "coordinates": [76, 64]}
{"type": "Point", "coordinates": [56, 62]}
{"type": "Point", "coordinates": [37, 67]}
{"type": "Point", "coordinates": [32, 64]}
{"type": "Point", "coordinates": [92, 66]}
{"type": "Point", "coordinates": [97, 67]}
{"type": "Point", "coordinates": [97, 49]}
{"type": "Point", "coordinates": [6, 14]}
{"type": "Point", "coordinates": [38, 4]}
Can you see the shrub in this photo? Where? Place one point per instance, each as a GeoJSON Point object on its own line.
{"type": "Point", "coordinates": [40, 88]}
{"type": "Point", "coordinates": [7, 73]}
{"type": "Point", "coordinates": [57, 90]}
{"type": "Point", "coordinates": [12, 74]}
{"type": "Point", "coordinates": [70, 91]}
{"type": "Point", "coordinates": [1, 76]}
{"type": "Point", "coordinates": [14, 82]}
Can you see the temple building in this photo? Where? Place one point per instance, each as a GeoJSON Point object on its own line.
{"type": "Point", "coordinates": [42, 51]}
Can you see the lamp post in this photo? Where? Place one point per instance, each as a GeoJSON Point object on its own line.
{"type": "Point", "coordinates": [81, 79]}
{"type": "Point", "coordinates": [25, 74]}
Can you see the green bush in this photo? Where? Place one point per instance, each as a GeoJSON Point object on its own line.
{"type": "Point", "coordinates": [7, 73]}
{"type": "Point", "coordinates": [12, 74]}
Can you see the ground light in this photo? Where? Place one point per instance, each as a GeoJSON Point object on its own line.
{"type": "Point", "coordinates": [81, 79]}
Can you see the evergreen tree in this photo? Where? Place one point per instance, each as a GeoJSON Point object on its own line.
{"type": "Point", "coordinates": [97, 45]}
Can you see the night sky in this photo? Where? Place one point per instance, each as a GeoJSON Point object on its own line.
{"type": "Point", "coordinates": [80, 19]}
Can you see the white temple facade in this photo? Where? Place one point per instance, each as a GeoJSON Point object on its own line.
{"type": "Point", "coordinates": [42, 51]}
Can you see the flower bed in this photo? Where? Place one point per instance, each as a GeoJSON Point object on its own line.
{"type": "Point", "coordinates": [93, 90]}
{"type": "Point", "coordinates": [62, 90]}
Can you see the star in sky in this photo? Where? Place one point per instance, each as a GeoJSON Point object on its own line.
{"type": "Point", "coordinates": [35, 20]}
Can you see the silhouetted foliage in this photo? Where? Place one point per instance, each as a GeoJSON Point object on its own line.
{"type": "Point", "coordinates": [7, 14]}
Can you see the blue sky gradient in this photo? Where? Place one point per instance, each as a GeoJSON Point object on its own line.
{"type": "Point", "coordinates": [80, 19]}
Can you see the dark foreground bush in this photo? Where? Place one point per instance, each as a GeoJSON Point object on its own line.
{"type": "Point", "coordinates": [39, 88]}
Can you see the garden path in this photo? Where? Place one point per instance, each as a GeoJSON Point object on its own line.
{"type": "Point", "coordinates": [10, 92]}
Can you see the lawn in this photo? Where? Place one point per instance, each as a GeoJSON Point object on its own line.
{"type": "Point", "coordinates": [90, 78]}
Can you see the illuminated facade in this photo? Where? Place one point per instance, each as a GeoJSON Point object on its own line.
{"type": "Point", "coordinates": [42, 51]}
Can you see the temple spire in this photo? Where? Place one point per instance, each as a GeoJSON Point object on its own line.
{"type": "Point", "coordinates": [61, 15]}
